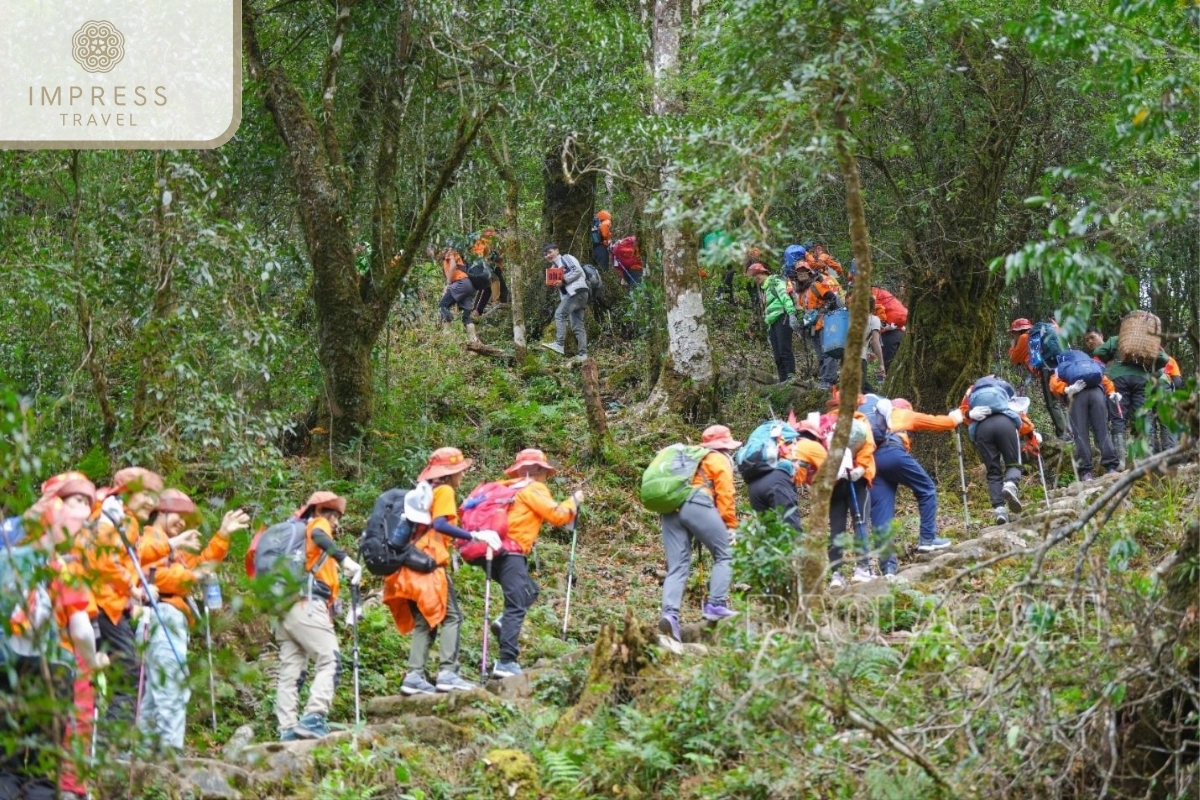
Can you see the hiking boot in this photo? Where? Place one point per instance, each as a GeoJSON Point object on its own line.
{"type": "Point", "coordinates": [836, 581]}
{"type": "Point", "coordinates": [497, 628]}
{"type": "Point", "coordinates": [929, 545]}
{"type": "Point", "coordinates": [862, 575]}
{"type": "Point", "coordinates": [288, 736]}
{"type": "Point", "coordinates": [579, 359]}
{"type": "Point", "coordinates": [889, 573]}
{"type": "Point", "coordinates": [505, 669]}
{"type": "Point", "coordinates": [415, 683]}
{"type": "Point", "coordinates": [1001, 515]}
{"type": "Point", "coordinates": [472, 336]}
{"type": "Point", "coordinates": [311, 726]}
{"type": "Point", "coordinates": [1087, 476]}
{"type": "Point", "coordinates": [715, 613]}
{"type": "Point", "coordinates": [1009, 493]}
{"type": "Point", "coordinates": [450, 682]}
{"type": "Point", "coordinates": [668, 625]}
{"type": "Point", "coordinates": [555, 346]}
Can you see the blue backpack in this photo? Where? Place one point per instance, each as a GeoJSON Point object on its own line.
{"type": "Point", "coordinates": [879, 424]}
{"type": "Point", "coordinates": [760, 454]}
{"type": "Point", "coordinates": [12, 531]}
{"type": "Point", "coordinates": [1076, 365]}
{"type": "Point", "coordinates": [833, 333]}
{"type": "Point", "coordinates": [793, 254]}
{"type": "Point", "coordinates": [993, 393]}
{"type": "Point", "coordinates": [1045, 345]}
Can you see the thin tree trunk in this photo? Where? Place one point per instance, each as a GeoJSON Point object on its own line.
{"type": "Point", "coordinates": [594, 406]}
{"type": "Point", "coordinates": [851, 375]}
{"type": "Point", "coordinates": [502, 159]}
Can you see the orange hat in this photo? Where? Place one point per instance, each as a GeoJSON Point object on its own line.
{"type": "Point", "coordinates": [69, 483]}
{"type": "Point", "coordinates": [901, 403]}
{"type": "Point", "coordinates": [603, 215]}
{"type": "Point", "coordinates": [173, 501]}
{"type": "Point", "coordinates": [444, 461]}
{"type": "Point", "coordinates": [756, 269]}
{"type": "Point", "coordinates": [140, 477]}
{"type": "Point", "coordinates": [319, 500]}
{"type": "Point", "coordinates": [718, 437]}
{"type": "Point", "coordinates": [529, 457]}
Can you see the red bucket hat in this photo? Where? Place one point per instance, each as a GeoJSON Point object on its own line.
{"type": "Point", "coordinates": [718, 437]}
{"type": "Point", "coordinates": [69, 483]}
{"type": "Point", "coordinates": [318, 500]}
{"type": "Point", "coordinates": [530, 457]}
{"type": "Point", "coordinates": [445, 461]}
{"type": "Point", "coordinates": [143, 479]}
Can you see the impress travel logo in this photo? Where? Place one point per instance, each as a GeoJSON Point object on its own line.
{"type": "Point", "coordinates": [134, 74]}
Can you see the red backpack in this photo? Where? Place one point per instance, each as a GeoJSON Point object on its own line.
{"type": "Point", "coordinates": [486, 508]}
{"type": "Point", "coordinates": [625, 253]}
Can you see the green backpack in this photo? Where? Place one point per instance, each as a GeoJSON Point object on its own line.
{"type": "Point", "coordinates": [667, 482]}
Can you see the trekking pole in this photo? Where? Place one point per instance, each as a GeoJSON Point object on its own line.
{"type": "Point", "coordinates": [571, 571]}
{"type": "Point", "coordinates": [1042, 472]}
{"type": "Point", "coordinates": [856, 513]}
{"type": "Point", "coordinates": [487, 612]}
{"type": "Point", "coordinates": [212, 686]}
{"type": "Point", "coordinates": [962, 475]}
{"type": "Point", "coordinates": [356, 599]}
{"type": "Point", "coordinates": [1074, 466]}
{"type": "Point", "coordinates": [137, 567]}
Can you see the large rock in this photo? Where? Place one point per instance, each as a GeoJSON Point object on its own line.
{"type": "Point", "coordinates": [206, 779]}
{"type": "Point", "coordinates": [393, 706]}
{"type": "Point", "coordinates": [511, 775]}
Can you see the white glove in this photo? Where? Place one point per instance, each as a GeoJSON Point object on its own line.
{"type": "Point", "coordinates": [1115, 397]}
{"type": "Point", "coordinates": [353, 613]}
{"type": "Point", "coordinates": [99, 661]}
{"type": "Point", "coordinates": [1075, 388]}
{"type": "Point", "coordinates": [114, 509]}
{"type": "Point", "coordinates": [490, 538]}
{"type": "Point", "coordinates": [856, 474]}
{"type": "Point", "coordinates": [1037, 437]}
{"type": "Point", "coordinates": [956, 415]}
{"type": "Point", "coordinates": [980, 413]}
{"type": "Point", "coordinates": [353, 571]}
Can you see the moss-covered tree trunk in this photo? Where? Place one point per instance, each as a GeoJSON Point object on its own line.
{"type": "Point", "coordinates": [567, 206]}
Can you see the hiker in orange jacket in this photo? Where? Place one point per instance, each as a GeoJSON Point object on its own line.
{"type": "Point", "coordinates": [1088, 408]}
{"type": "Point", "coordinates": [708, 515]}
{"type": "Point", "coordinates": [305, 632]}
{"type": "Point", "coordinates": [459, 292]}
{"type": "Point", "coordinates": [601, 235]}
{"type": "Point", "coordinates": [816, 295]}
{"type": "Point", "coordinates": [998, 424]}
{"type": "Point", "coordinates": [532, 505]}
{"type": "Point", "coordinates": [894, 317]}
{"type": "Point", "coordinates": [163, 712]}
{"type": "Point", "coordinates": [857, 469]}
{"type": "Point", "coordinates": [423, 603]}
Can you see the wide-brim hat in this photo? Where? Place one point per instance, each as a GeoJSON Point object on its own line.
{"type": "Point", "coordinates": [138, 479]}
{"type": "Point", "coordinates": [318, 500]}
{"type": "Point", "coordinates": [530, 457]}
{"type": "Point", "coordinates": [69, 483]}
{"type": "Point", "coordinates": [445, 461]}
{"type": "Point", "coordinates": [173, 501]}
{"type": "Point", "coordinates": [418, 502]}
{"type": "Point", "coordinates": [718, 437]}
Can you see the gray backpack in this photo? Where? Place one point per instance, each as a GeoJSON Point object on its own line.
{"type": "Point", "coordinates": [280, 551]}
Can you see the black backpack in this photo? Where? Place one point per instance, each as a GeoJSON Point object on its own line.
{"type": "Point", "coordinates": [480, 275]}
{"type": "Point", "coordinates": [596, 238]}
{"type": "Point", "coordinates": [387, 541]}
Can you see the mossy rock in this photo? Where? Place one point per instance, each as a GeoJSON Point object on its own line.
{"type": "Point", "coordinates": [511, 774]}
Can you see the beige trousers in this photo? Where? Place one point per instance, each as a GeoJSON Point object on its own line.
{"type": "Point", "coordinates": [305, 632]}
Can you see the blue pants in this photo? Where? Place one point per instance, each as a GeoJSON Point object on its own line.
{"type": "Point", "coordinates": [896, 467]}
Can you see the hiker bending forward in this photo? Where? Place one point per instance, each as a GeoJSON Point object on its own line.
{"type": "Point", "coordinates": [306, 630]}
{"type": "Point", "coordinates": [531, 506]}
{"type": "Point", "coordinates": [708, 515]}
{"type": "Point", "coordinates": [998, 421]}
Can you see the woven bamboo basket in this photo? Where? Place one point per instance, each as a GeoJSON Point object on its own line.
{"type": "Point", "coordinates": [1140, 340]}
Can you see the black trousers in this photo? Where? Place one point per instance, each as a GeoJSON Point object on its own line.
{"type": "Point", "coordinates": [890, 341]}
{"type": "Point", "coordinates": [1133, 397]}
{"type": "Point", "coordinates": [1053, 405]}
{"type": "Point", "coordinates": [1089, 411]}
{"type": "Point", "coordinates": [511, 571]}
{"type": "Point", "coordinates": [1000, 448]}
{"type": "Point", "coordinates": [776, 489]}
{"type": "Point", "coordinates": [600, 256]}
{"type": "Point", "coordinates": [780, 335]}
{"type": "Point", "coordinates": [120, 643]}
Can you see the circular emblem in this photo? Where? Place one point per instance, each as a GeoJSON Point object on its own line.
{"type": "Point", "coordinates": [98, 46]}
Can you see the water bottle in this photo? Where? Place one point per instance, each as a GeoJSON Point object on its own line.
{"type": "Point", "coordinates": [212, 593]}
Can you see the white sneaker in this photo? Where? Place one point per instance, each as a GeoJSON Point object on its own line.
{"type": "Point", "coordinates": [837, 581]}
{"type": "Point", "coordinates": [862, 575]}
{"type": "Point", "coordinates": [555, 346]}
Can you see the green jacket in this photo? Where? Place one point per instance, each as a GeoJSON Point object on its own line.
{"type": "Point", "coordinates": [1116, 368]}
{"type": "Point", "coordinates": [778, 302]}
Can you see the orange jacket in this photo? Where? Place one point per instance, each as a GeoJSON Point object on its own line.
{"type": "Point", "coordinates": [813, 298]}
{"type": "Point", "coordinates": [1059, 386]}
{"type": "Point", "coordinates": [1018, 354]}
{"type": "Point", "coordinates": [605, 231]}
{"type": "Point", "coordinates": [865, 457]}
{"type": "Point", "coordinates": [452, 266]}
{"type": "Point", "coordinates": [328, 573]}
{"type": "Point", "coordinates": [109, 568]}
{"type": "Point", "coordinates": [715, 476]}
{"type": "Point", "coordinates": [904, 421]}
{"type": "Point", "coordinates": [808, 457]}
{"type": "Point", "coordinates": [532, 506]}
{"type": "Point", "coordinates": [1171, 370]}
{"type": "Point", "coordinates": [430, 591]}
{"type": "Point", "coordinates": [172, 574]}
